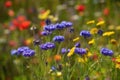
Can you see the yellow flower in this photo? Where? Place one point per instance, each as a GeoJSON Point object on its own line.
{"type": "Point", "coordinates": [108, 33]}
{"type": "Point", "coordinates": [71, 52]}
{"type": "Point", "coordinates": [76, 39]}
{"type": "Point", "coordinates": [113, 41]}
{"type": "Point", "coordinates": [100, 23]}
{"type": "Point", "coordinates": [89, 54]}
{"type": "Point", "coordinates": [118, 28]}
{"type": "Point", "coordinates": [82, 59]}
{"type": "Point", "coordinates": [91, 22]}
{"type": "Point", "coordinates": [28, 41]}
{"type": "Point", "coordinates": [52, 18]}
{"type": "Point", "coordinates": [94, 31]}
{"type": "Point", "coordinates": [91, 41]}
{"type": "Point", "coordinates": [117, 62]}
{"type": "Point", "coordinates": [44, 15]}
{"type": "Point", "coordinates": [111, 27]}
{"type": "Point", "coordinates": [59, 74]}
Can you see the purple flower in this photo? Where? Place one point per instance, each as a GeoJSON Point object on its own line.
{"type": "Point", "coordinates": [13, 52]}
{"type": "Point", "coordinates": [80, 51]}
{"type": "Point", "coordinates": [59, 26]}
{"type": "Point", "coordinates": [53, 68]}
{"type": "Point", "coordinates": [28, 53]}
{"type": "Point", "coordinates": [48, 21]}
{"type": "Point", "coordinates": [45, 33]}
{"type": "Point", "coordinates": [68, 50]}
{"type": "Point", "coordinates": [71, 29]}
{"type": "Point", "coordinates": [25, 51]}
{"type": "Point", "coordinates": [106, 52]}
{"type": "Point", "coordinates": [58, 38]}
{"type": "Point", "coordinates": [47, 46]}
{"type": "Point", "coordinates": [21, 49]}
{"type": "Point", "coordinates": [85, 33]}
{"type": "Point", "coordinates": [50, 27]}
{"type": "Point", "coordinates": [64, 50]}
{"type": "Point", "coordinates": [100, 32]}
{"type": "Point", "coordinates": [67, 24]}
{"type": "Point", "coordinates": [77, 44]}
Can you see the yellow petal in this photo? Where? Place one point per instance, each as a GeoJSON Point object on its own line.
{"type": "Point", "coordinates": [89, 54]}
{"type": "Point", "coordinates": [44, 15]}
{"type": "Point", "coordinates": [59, 74]}
{"type": "Point", "coordinates": [76, 39]}
{"type": "Point", "coordinates": [100, 23]}
{"type": "Point", "coordinates": [81, 60]}
{"type": "Point", "coordinates": [91, 22]}
{"type": "Point", "coordinates": [91, 41]}
{"type": "Point", "coordinates": [71, 52]}
{"type": "Point", "coordinates": [108, 33]}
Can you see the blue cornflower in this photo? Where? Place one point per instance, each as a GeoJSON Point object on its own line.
{"type": "Point", "coordinates": [85, 33]}
{"type": "Point", "coordinates": [50, 45]}
{"type": "Point", "coordinates": [68, 50]}
{"type": "Point", "coordinates": [25, 51]}
{"type": "Point", "coordinates": [53, 68]}
{"type": "Point", "coordinates": [67, 24]}
{"type": "Point", "coordinates": [106, 52]}
{"type": "Point", "coordinates": [43, 47]}
{"type": "Point", "coordinates": [71, 29]}
{"type": "Point", "coordinates": [28, 53]}
{"type": "Point", "coordinates": [80, 51]}
{"type": "Point", "coordinates": [14, 52]}
{"type": "Point", "coordinates": [58, 38]}
{"type": "Point", "coordinates": [48, 21]}
{"type": "Point", "coordinates": [64, 50]}
{"type": "Point", "coordinates": [100, 32]}
{"type": "Point", "coordinates": [60, 26]}
{"type": "Point", "coordinates": [50, 27]}
{"type": "Point", "coordinates": [77, 44]}
{"type": "Point", "coordinates": [21, 49]}
{"type": "Point", "coordinates": [47, 46]}
{"type": "Point", "coordinates": [45, 33]}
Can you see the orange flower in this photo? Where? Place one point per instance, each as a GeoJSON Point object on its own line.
{"type": "Point", "coordinates": [57, 57]}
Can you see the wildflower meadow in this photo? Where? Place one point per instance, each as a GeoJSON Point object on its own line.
{"type": "Point", "coordinates": [60, 40]}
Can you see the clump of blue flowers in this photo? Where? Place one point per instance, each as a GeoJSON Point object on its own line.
{"type": "Point", "coordinates": [50, 27]}
{"type": "Point", "coordinates": [80, 51]}
{"type": "Point", "coordinates": [47, 45]}
{"type": "Point", "coordinates": [58, 38]}
{"type": "Point", "coordinates": [106, 52]}
{"type": "Point", "coordinates": [25, 51]}
{"type": "Point", "coordinates": [45, 33]}
{"type": "Point", "coordinates": [63, 24]}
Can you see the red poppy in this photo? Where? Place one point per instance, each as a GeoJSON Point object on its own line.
{"type": "Point", "coordinates": [8, 4]}
{"type": "Point", "coordinates": [95, 57]}
{"type": "Point", "coordinates": [42, 23]}
{"type": "Point", "coordinates": [12, 43]}
{"type": "Point", "coordinates": [24, 25]}
{"type": "Point", "coordinates": [11, 13]}
{"type": "Point", "coordinates": [21, 18]}
{"type": "Point", "coordinates": [113, 59]}
{"type": "Point", "coordinates": [80, 8]}
{"type": "Point", "coordinates": [12, 28]}
{"type": "Point", "coordinates": [106, 11]}
{"type": "Point", "coordinates": [15, 22]}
